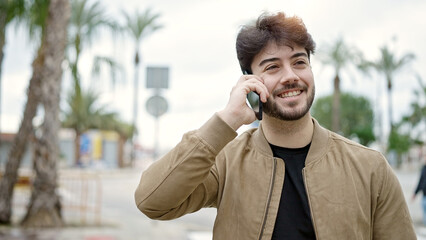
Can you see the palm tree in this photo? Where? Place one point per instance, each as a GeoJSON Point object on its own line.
{"type": "Point", "coordinates": [44, 209]}
{"type": "Point", "coordinates": [365, 67]}
{"type": "Point", "coordinates": [9, 10]}
{"type": "Point", "coordinates": [84, 113]}
{"type": "Point", "coordinates": [34, 18]}
{"type": "Point", "coordinates": [388, 64]}
{"type": "Point", "coordinates": [339, 56]}
{"type": "Point", "coordinates": [139, 26]}
{"type": "Point", "coordinates": [86, 22]}
{"type": "Point", "coordinates": [80, 115]}
{"type": "Point", "coordinates": [44, 87]}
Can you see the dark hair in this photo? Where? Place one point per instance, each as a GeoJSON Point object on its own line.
{"type": "Point", "coordinates": [277, 27]}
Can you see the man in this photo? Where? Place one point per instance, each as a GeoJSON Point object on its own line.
{"type": "Point", "coordinates": [288, 179]}
{"type": "Point", "coordinates": [421, 186]}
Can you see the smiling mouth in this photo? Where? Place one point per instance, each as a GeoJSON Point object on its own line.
{"type": "Point", "coordinates": [290, 94]}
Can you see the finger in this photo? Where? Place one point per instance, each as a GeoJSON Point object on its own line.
{"type": "Point", "coordinates": [262, 91]}
{"type": "Point", "coordinates": [244, 78]}
{"type": "Point", "coordinates": [256, 86]}
{"type": "Point", "coordinates": [253, 83]}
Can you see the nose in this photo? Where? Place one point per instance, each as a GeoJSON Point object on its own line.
{"type": "Point", "coordinates": [288, 75]}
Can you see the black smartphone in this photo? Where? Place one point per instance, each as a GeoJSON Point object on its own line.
{"type": "Point", "coordinates": [253, 99]}
{"type": "Point", "coordinates": [255, 103]}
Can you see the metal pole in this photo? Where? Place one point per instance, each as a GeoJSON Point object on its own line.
{"type": "Point", "coordinates": [156, 137]}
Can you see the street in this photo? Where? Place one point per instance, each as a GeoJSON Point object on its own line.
{"type": "Point", "coordinates": [121, 220]}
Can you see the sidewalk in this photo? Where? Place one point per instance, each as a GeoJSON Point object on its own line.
{"type": "Point", "coordinates": [121, 220]}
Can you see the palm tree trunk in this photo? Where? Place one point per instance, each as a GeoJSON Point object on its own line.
{"type": "Point", "coordinates": [77, 148]}
{"type": "Point", "coordinates": [2, 37]}
{"type": "Point", "coordinates": [135, 105]}
{"type": "Point", "coordinates": [121, 142]}
{"type": "Point", "coordinates": [44, 209]}
{"type": "Point", "coordinates": [390, 104]}
{"type": "Point", "coordinates": [74, 67]}
{"type": "Point", "coordinates": [335, 123]}
{"type": "Point", "coordinates": [2, 44]}
{"type": "Point", "coordinates": [20, 141]}
{"type": "Point", "coordinates": [378, 117]}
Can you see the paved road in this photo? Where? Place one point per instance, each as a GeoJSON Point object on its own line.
{"type": "Point", "coordinates": [120, 219]}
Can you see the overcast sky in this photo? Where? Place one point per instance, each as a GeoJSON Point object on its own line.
{"type": "Point", "coordinates": [197, 43]}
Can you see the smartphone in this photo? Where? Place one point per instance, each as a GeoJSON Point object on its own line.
{"type": "Point", "coordinates": [253, 99]}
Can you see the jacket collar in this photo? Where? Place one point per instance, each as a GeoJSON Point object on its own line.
{"type": "Point", "coordinates": [318, 147]}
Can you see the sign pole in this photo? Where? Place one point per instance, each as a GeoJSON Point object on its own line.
{"type": "Point", "coordinates": [156, 105]}
{"type": "Point", "coordinates": [156, 137]}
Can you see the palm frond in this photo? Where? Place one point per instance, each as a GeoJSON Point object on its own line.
{"type": "Point", "coordinates": [140, 25]}
{"type": "Point", "coordinates": [87, 19]}
{"type": "Point", "coordinates": [113, 66]}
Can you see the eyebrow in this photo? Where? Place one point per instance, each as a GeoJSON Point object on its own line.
{"type": "Point", "coordinates": [296, 55]}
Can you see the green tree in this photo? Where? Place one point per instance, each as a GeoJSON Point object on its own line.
{"type": "Point", "coordinates": [138, 26]}
{"type": "Point", "coordinates": [410, 130]}
{"type": "Point", "coordinates": [399, 142]}
{"type": "Point", "coordinates": [356, 116]}
{"type": "Point", "coordinates": [339, 56]}
{"type": "Point", "coordinates": [417, 115]}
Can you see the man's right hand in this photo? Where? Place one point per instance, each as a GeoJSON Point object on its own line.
{"type": "Point", "coordinates": [237, 112]}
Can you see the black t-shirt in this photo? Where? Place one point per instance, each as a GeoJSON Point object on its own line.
{"type": "Point", "coordinates": [294, 216]}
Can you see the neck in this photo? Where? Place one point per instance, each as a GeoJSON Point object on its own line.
{"type": "Point", "coordinates": [288, 134]}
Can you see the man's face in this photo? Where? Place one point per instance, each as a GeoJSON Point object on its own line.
{"type": "Point", "coordinates": [288, 77]}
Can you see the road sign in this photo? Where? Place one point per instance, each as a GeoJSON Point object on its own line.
{"type": "Point", "coordinates": [156, 105]}
{"type": "Point", "coordinates": [157, 77]}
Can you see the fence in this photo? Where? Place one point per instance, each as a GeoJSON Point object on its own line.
{"type": "Point", "coordinates": [80, 193]}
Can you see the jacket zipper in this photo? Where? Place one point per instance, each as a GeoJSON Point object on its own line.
{"type": "Point", "coordinates": [269, 198]}
{"type": "Point", "coordinates": [309, 202]}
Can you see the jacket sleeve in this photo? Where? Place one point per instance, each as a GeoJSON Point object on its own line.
{"type": "Point", "coordinates": [392, 219]}
{"type": "Point", "coordinates": [185, 179]}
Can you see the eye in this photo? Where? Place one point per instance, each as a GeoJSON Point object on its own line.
{"type": "Point", "coordinates": [301, 63]}
{"type": "Point", "coordinates": [271, 67]}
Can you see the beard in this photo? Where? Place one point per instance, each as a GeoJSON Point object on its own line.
{"type": "Point", "coordinates": [272, 109]}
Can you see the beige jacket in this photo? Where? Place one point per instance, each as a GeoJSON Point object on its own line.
{"type": "Point", "coordinates": [352, 191]}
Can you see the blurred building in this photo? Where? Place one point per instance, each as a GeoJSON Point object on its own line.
{"type": "Point", "coordinates": [99, 149]}
{"type": "Point", "coordinates": [6, 140]}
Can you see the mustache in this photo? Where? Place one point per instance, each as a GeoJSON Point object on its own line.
{"type": "Point", "coordinates": [290, 86]}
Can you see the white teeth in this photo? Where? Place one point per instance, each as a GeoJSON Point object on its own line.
{"type": "Point", "coordinates": [290, 94]}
